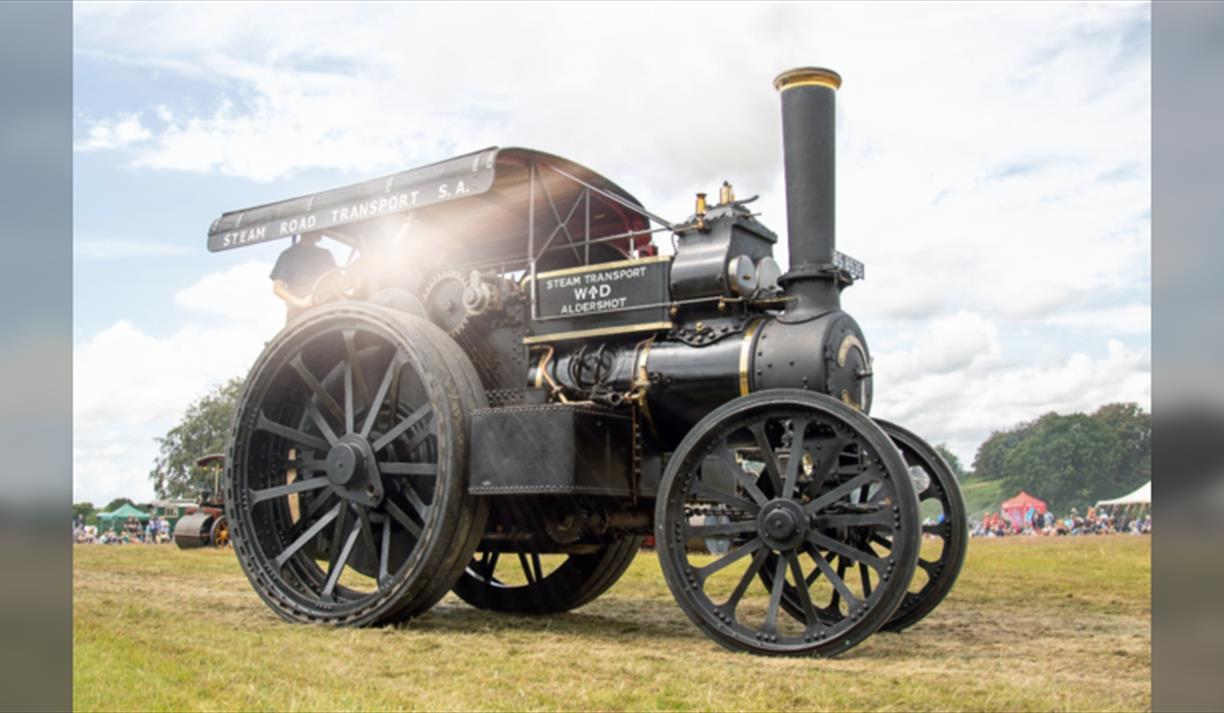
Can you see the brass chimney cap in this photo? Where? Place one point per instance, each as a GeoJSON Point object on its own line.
{"type": "Point", "coordinates": [807, 77]}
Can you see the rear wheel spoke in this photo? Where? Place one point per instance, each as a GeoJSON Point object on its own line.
{"type": "Point", "coordinates": [402, 518]}
{"type": "Point", "coordinates": [350, 350]}
{"type": "Point", "coordinates": [263, 423]}
{"type": "Point", "coordinates": [398, 429]}
{"type": "Point", "coordinates": [341, 561]}
{"type": "Point", "coordinates": [297, 486]}
{"type": "Point", "coordinates": [313, 384]}
{"type": "Point", "coordinates": [307, 536]}
{"type": "Point", "coordinates": [421, 469]}
{"type": "Point", "coordinates": [376, 405]}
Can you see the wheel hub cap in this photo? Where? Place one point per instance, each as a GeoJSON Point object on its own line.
{"type": "Point", "coordinates": [353, 470]}
{"type": "Point", "coordinates": [343, 464]}
{"type": "Point", "coordinates": [782, 524]}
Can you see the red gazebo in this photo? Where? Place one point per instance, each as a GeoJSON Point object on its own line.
{"type": "Point", "coordinates": [1017, 508]}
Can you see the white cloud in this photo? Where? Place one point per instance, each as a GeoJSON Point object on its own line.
{"type": "Point", "coordinates": [120, 131]}
{"type": "Point", "coordinates": [1129, 319]}
{"type": "Point", "coordinates": [129, 386]}
{"type": "Point", "coordinates": [964, 405]}
{"type": "Point", "coordinates": [94, 249]}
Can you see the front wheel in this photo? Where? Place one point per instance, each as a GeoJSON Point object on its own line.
{"type": "Point", "coordinates": [807, 487]}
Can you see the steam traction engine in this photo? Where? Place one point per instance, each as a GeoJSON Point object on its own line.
{"type": "Point", "coordinates": [507, 387]}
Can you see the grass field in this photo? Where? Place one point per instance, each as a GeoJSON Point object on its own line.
{"type": "Point", "coordinates": [1049, 624]}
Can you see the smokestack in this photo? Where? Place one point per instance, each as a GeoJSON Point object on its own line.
{"type": "Point", "coordinates": [808, 113]}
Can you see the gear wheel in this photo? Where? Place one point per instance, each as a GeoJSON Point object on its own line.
{"type": "Point", "coordinates": [443, 298]}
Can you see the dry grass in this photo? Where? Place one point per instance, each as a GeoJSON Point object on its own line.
{"type": "Point", "coordinates": [1056, 624]}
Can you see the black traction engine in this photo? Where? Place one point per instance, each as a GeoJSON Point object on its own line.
{"type": "Point", "coordinates": [507, 388]}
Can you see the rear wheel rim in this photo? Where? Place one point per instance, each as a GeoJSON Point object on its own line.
{"type": "Point", "coordinates": [342, 456]}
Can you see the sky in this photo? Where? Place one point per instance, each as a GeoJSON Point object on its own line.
{"type": "Point", "coordinates": [993, 172]}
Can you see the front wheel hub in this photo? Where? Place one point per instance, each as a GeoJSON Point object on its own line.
{"type": "Point", "coordinates": [782, 524]}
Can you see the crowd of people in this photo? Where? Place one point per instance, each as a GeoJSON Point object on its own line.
{"type": "Point", "coordinates": [155, 531]}
{"type": "Point", "coordinates": [1095, 521]}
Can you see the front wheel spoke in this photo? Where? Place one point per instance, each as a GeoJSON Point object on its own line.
{"type": "Point", "coordinates": [422, 469]}
{"type": "Point", "coordinates": [933, 529]}
{"type": "Point", "coordinates": [846, 550]}
{"type": "Point", "coordinates": [768, 455]}
{"type": "Point", "coordinates": [307, 536]}
{"type": "Point", "coordinates": [703, 573]}
{"type": "Point", "coordinates": [795, 458]}
{"type": "Point", "coordinates": [297, 486]}
{"type": "Point", "coordinates": [389, 376]}
{"type": "Point", "coordinates": [775, 596]}
{"type": "Point", "coordinates": [746, 481]}
{"type": "Point", "coordinates": [881, 520]}
{"type": "Point", "coordinates": [841, 491]}
{"type": "Point", "coordinates": [727, 528]}
{"type": "Point", "coordinates": [822, 469]}
{"type": "Point", "coordinates": [758, 559]}
{"type": "Point", "coordinates": [398, 429]}
{"type": "Point", "coordinates": [263, 423]}
{"type": "Point", "coordinates": [805, 597]}
{"type": "Point", "coordinates": [402, 518]}
{"type": "Point", "coordinates": [705, 492]}
{"type": "Point", "coordinates": [877, 538]}
{"type": "Point", "coordinates": [341, 561]}
{"type": "Point", "coordinates": [815, 554]}
{"type": "Point", "coordinates": [865, 575]}
{"type": "Point", "coordinates": [840, 589]}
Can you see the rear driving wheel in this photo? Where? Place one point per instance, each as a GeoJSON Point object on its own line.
{"type": "Point", "coordinates": [345, 488]}
{"type": "Point", "coordinates": [522, 581]}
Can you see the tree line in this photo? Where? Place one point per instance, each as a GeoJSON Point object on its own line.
{"type": "Point", "coordinates": [1071, 460]}
{"type": "Point", "coordinates": [1068, 460]}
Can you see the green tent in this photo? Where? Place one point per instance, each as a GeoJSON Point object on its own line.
{"type": "Point", "coordinates": [116, 519]}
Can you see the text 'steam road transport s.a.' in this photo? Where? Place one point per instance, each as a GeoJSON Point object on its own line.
{"type": "Point", "coordinates": [506, 387]}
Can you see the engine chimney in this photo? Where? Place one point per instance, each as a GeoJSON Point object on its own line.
{"type": "Point", "coordinates": [808, 113]}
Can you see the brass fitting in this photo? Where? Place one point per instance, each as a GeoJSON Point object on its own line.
{"type": "Point", "coordinates": [725, 194]}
